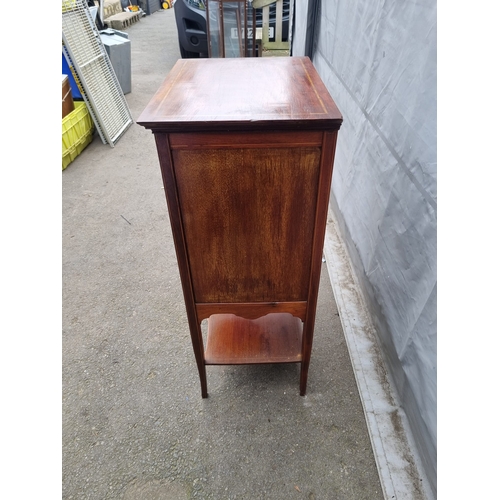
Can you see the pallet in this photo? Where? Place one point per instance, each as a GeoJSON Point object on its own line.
{"type": "Point", "coordinates": [112, 7]}
{"type": "Point", "coordinates": [122, 20]}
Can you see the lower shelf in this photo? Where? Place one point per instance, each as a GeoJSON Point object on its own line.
{"type": "Point", "coordinates": [275, 338]}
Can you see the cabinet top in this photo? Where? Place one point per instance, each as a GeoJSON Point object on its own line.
{"type": "Point", "coordinates": [262, 93]}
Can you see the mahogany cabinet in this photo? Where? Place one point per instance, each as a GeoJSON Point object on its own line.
{"type": "Point", "coordinates": [246, 149]}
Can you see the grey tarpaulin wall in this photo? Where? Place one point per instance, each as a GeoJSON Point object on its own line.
{"type": "Point", "coordinates": [378, 60]}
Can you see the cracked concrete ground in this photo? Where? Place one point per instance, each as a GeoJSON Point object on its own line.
{"type": "Point", "coordinates": [134, 423]}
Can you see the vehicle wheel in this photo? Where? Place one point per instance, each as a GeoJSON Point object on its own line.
{"type": "Point", "coordinates": [186, 54]}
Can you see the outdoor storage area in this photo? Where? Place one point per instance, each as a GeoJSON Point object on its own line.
{"type": "Point", "coordinates": [135, 424]}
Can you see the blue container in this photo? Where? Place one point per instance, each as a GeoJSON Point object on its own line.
{"type": "Point", "coordinates": [75, 91]}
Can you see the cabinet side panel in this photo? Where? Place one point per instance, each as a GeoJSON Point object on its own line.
{"type": "Point", "coordinates": [248, 217]}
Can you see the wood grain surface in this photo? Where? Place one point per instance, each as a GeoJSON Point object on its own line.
{"type": "Point", "coordinates": [275, 338]}
{"type": "Point", "coordinates": [241, 94]}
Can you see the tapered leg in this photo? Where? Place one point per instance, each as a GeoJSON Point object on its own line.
{"type": "Point", "coordinates": [203, 380]}
{"type": "Point", "coordinates": [198, 348]}
{"type": "Point", "coordinates": [307, 341]}
{"type": "Point", "coordinates": [304, 369]}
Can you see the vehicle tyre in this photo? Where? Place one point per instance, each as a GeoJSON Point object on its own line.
{"type": "Point", "coordinates": [186, 54]}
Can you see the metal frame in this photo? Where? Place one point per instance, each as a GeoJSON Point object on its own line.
{"type": "Point", "coordinates": [94, 72]}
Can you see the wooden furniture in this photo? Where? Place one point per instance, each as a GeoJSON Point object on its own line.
{"type": "Point", "coordinates": [246, 149]}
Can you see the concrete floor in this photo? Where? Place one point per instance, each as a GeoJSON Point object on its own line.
{"type": "Point", "coordinates": [134, 423]}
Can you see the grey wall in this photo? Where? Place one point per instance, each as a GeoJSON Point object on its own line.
{"type": "Point", "coordinates": [378, 60]}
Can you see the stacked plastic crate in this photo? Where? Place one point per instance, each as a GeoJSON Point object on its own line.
{"type": "Point", "coordinates": [77, 125]}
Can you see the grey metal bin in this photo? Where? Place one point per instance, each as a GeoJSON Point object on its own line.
{"type": "Point", "coordinates": [119, 52]}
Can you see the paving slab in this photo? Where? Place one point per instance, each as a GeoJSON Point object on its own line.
{"type": "Point", "coordinates": [134, 423]}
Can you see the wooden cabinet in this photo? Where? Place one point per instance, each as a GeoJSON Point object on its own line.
{"type": "Point", "coordinates": [246, 150]}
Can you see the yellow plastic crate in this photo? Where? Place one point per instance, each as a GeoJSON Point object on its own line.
{"type": "Point", "coordinates": [68, 5]}
{"type": "Point", "coordinates": [77, 130]}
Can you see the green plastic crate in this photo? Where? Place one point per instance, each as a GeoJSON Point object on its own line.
{"type": "Point", "coordinates": [77, 133]}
